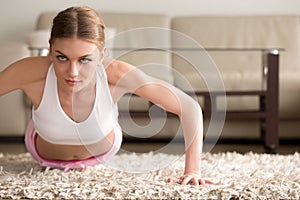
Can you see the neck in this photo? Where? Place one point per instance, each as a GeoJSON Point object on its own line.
{"type": "Point", "coordinates": [78, 104]}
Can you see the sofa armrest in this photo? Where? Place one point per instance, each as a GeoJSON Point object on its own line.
{"type": "Point", "coordinates": [14, 113]}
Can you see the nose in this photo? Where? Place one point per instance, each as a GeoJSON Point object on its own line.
{"type": "Point", "coordinates": [73, 70]}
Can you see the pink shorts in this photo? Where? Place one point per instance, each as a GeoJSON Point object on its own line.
{"type": "Point", "coordinates": [30, 142]}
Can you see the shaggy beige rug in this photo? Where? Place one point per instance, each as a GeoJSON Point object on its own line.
{"type": "Point", "coordinates": [236, 176]}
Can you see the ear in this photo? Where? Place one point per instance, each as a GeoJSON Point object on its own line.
{"type": "Point", "coordinates": [102, 53]}
{"type": "Point", "coordinates": [49, 54]}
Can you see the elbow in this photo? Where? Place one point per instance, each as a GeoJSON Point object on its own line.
{"type": "Point", "coordinates": [191, 108]}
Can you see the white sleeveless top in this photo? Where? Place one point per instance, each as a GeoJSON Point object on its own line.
{"type": "Point", "coordinates": [53, 124]}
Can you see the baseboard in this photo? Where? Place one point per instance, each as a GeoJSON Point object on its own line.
{"type": "Point", "coordinates": [282, 141]}
{"type": "Point", "coordinates": [11, 139]}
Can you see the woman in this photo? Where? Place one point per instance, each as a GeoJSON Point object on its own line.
{"type": "Point", "coordinates": [74, 96]}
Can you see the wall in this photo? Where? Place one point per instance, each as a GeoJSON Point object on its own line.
{"type": "Point", "coordinates": [18, 17]}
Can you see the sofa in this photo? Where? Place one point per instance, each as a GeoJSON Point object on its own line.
{"type": "Point", "coordinates": [239, 70]}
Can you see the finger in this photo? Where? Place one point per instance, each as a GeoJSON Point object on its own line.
{"type": "Point", "coordinates": [202, 181]}
{"type": "Point", "coordinates": [172, 179]}
{"type": "Point", "coordinates": [186, 180]}
{"type": "Point", "coordinates": [208, 182]}
{"type": "Point", "coordinates": [195, 181]}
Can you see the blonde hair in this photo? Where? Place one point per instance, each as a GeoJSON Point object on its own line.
{"type": "Point", "coordinates": [79, 22]}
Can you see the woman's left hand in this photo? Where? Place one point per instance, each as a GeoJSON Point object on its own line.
{"type": "Point", "coordinates": [189, 178]}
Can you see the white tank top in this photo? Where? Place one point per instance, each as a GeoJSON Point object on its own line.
{"type": "Point", "coordinates": [53, 124]}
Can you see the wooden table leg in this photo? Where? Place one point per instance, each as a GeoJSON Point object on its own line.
{"type": "Point", "coordinates": [271, 139]}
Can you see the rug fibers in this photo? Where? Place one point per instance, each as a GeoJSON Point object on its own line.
{"type": "Point", "coordinates": [235, 176]}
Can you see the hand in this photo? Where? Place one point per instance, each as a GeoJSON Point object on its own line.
{"type": "Point", "coordinates": [193, 179]}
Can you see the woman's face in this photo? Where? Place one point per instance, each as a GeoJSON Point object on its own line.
{"type": "Point", "coordinates": [75, 62]}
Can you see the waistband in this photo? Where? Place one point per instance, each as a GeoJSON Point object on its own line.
{"type": "Point", "coordinates": [30, 143]}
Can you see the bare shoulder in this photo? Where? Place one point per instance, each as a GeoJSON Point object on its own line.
{"type": "Point", "coordinates": [32, 66]}
{"type": "Point", "coordinates": [24, 72]}
{"type": "Point", "coordinates": [116, 69]}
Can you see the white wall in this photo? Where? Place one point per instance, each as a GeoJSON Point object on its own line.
{"type": "Point", "coordinates": [18, 17]}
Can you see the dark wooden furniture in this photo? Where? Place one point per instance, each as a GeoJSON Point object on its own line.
{"type": "Point", "coordinates": [268, 96]}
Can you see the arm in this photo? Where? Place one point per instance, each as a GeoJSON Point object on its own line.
{"type": "Point", "coordinates": [22, 74]}
{"type": "Point", "coordinates": [9, 79]}
{"type": "Point", "coordinates": [190, 115]}
{"type": "Point", "coordinates": [130, 79]}
{"type": "Point", "coordinates": [15, 76]}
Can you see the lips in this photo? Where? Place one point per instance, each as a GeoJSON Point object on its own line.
{"type": "Point", "coordinates": [72, 82]}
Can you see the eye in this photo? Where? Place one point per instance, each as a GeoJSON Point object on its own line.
{"type": "Point", "coordinates": [61, 58]}
{"type": "Point", "coordinates": [85, 60]}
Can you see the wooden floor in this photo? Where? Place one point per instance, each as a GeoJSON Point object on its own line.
{"type": "Point", "coordinates": [174, 148]}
